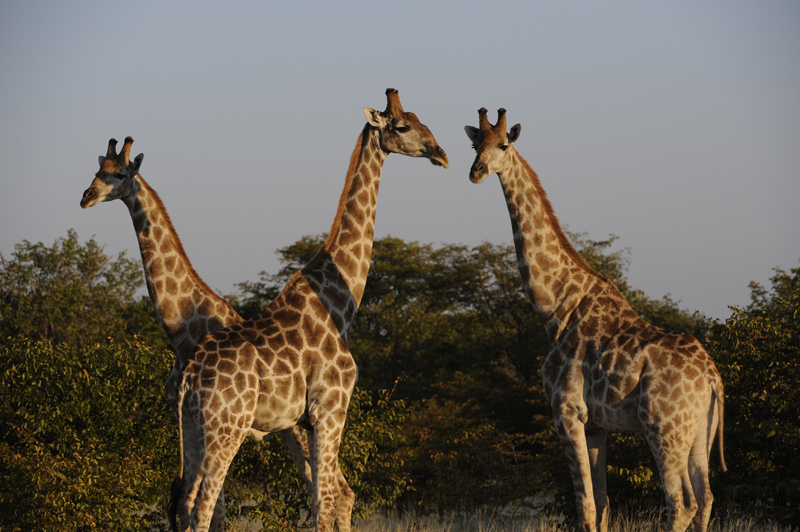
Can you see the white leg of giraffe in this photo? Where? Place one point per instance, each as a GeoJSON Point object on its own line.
{"type": "Point", "coordinates": [673, 468]}
{"type": "Point", "coordinates": [210, 479]}
{"type": "Point", "coordinates": [328, 480]}
{"type": "Point", "coordinates": [345, 498]}
{"type": "Point", "coordinates": [596, 441]}
{"type": "Point", "coordinates": [193, 451]}
{"type": "Point", "coordinates": [572, 435]}
{"type": "Point", "coordinates": [698, 467]}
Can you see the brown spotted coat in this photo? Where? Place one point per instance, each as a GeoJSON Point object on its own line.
{"type": "Point", "coordinates": [186, 307]}
{"type": "Point", "coordinates": [607, 369]}
{"type": "Point", "coordinates": [291, 364]}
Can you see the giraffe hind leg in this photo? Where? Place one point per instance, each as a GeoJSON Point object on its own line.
{"type": "Point", "coordinates": [698, 468]}
{"type": "Point", "coordinates": [345, 498]}
{"type": "Point", "coordinates": [208, 485]}
{"type": "Point", "coordinates": [672, 461]}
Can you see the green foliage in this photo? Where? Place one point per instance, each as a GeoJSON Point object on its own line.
{"type": "Point", "coordinates": [757, 351]}
{"type": "Point", "coordinates": [86, 437]}
{"type": "Point", "coordinates": [455, 324]}
{"type": "Point", "coordinates": [72, 293]}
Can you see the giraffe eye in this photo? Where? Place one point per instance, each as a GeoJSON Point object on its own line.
{"type": "Point", "coordinates": [120, 175]}
{"type": "Point", "coordinates": [503, 147]}
{"type": "Point", "coordinates": [403, 129]}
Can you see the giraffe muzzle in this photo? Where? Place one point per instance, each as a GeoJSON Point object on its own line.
{"type": "Point", "coordinates": [478, 172]}
{"type": "Point", "coordinates": [89, 197]}
{"type": "Point", "coordinates": [439, 157]}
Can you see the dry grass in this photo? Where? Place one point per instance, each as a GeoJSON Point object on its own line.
{"type": "Point", "coordinates": [481, 521]}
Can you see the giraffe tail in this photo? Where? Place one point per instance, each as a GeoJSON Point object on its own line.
{"type": "Point", "coordinates": [719, 395]}
{"type": "Point", "coordinates": [175, 490]}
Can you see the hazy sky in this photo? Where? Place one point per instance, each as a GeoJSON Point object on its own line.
{"type": "Point", "coordinates": [673, 125]}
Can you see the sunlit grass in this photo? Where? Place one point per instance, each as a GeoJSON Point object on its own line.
{"type": "Point", "coordinates": [628, 520]}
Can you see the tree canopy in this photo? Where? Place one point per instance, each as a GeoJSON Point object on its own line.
{"type": "Point", "coordinates": [449, 412]}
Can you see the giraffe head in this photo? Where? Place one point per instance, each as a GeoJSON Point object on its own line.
{"type": "Point", "coordinates": [403, 133]}
{"type": "Point", "coordinates": [115, 179]}
{"type": "Point", "coordinates": [493, 144]}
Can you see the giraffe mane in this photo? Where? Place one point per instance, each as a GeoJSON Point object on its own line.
{"type": "Point", "coordinates": [351, 172]}
{"type": "Point", "coordinates": [178, 244]}
{"type": "Point", "coordinates": [348, 182]}
{"type": "Point", "coordinates": [550, 213]}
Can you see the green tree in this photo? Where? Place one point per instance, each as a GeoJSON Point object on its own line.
{"type": "Point", "coordinates": [454, 324]}
{"type": "Point", "coordinates": [73, 293]}
{"type": "Point", "coordinates": [757, 351]}
{"type": "Point", "coordinates": [87, 441]}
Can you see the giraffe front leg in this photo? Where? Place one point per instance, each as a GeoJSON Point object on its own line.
{"type": "Point", "coordinates": [345, 498]}
{"type": "Point", "coordinates": [596, 441]}
{"type": "Point", "coordinates": [573, 438]}
{"type": "Point", "coordinates": [329, 486]}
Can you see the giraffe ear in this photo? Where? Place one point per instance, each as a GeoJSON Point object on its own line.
{"type": "Point", "coordinates": [472, 132]}
{"type": "Point", "coordinates": [374, 118]}
{"type": "Point", "coordinates": [101, 159]}
{"type": "Point", "coordinates": [513, 135]}
{"type": "Point", "coordinates": [137, 162]}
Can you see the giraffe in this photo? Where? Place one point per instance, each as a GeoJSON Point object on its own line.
{"type": "Point", "coordinates": [291, 364]}
{"type": "Point", "coordinates": [186, 307]}
{"type": "Point", "coordinates": [607, 369]}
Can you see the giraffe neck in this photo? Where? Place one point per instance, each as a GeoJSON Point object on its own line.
{"type": "Point", "coordinates": [556, 278]}
{"type": "Point", "coordinates": [186, 307]}
{"type": "Point", "coordinates": [338, 274]}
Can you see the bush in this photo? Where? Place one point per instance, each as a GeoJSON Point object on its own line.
{"type": "Point", "coordinates": [86, 436]}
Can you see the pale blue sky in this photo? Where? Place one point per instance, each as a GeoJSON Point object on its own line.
{"type": "Point", "coordinates": [673, 125]}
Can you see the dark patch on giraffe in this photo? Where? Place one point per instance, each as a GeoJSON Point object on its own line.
{"type": "Point", "coordinates": [170, 262]}
{"type": "Point", "coordinates": [197, 328]}
{"type": "Point", "coordinates": [186, 284]}
{"type": "Point", "coordinates": [156, 267]}
{"type": "Point", "coordinates": [267, 357]}
{"type": "Point", "coordinates": [180, 270]}
{"type": "Point", "coordinates": [185, 304]}
{"type": "Point", "coordinates": [292, 356]}
{"type": "Point", "coordinates": [227, 365]}
{"type": "Point", "coordinates": [171, 286]}
{"type": "Point", "coordinates": [156, 232]}
{"type": "Point", "coordinates": [294, 339]}
{"type": "Point", "coordinates": [240, 381]}
{"type": "Point", "coordinates": [355, 211]}
{"type": "Point", "coordinates": [332, 291]}
{"type": "Point", "coordinates": [251, 336]}
{"type": "Point", "coordinates": [329, 348]}
{"type": "Point", "coordinates": [287, 317]}
{"type": "Point", "coordinates": [313, 331]}
{"type": "Point", "coordinates": [281, 367]}
{"type": "Point", "coordinates": [332, 377]}
{"type": "Point", "coordinates": [298, 387]}
{"type": "Point", "coordinates": [347, 263]}
{"type": "Point", "coordinates": [344, 363]}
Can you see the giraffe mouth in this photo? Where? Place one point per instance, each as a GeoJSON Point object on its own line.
{"type": "Point", "coordinates": [439, 158]}
{"type": "Point", "coordinates": [478, 173]}
{"type": "Point", "coordinates": [89, 197]}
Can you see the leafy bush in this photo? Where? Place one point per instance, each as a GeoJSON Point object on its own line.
{"type": "Point", "coordinates": [74, 293]}
{"type": "Point", "coordinates": [757, 351]}
{"type": "Point", "coordinates": [86, 436]}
